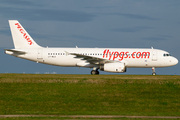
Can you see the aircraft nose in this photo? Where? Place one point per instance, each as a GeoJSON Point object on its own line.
{"type": "Point", "coordinates": [175, 61]}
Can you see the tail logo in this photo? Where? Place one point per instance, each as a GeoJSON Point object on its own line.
{"type": "Point", "coordinates": [24, 34]}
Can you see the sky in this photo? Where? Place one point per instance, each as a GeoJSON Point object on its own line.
{"type": "Point", "coordinates": [91, 23]}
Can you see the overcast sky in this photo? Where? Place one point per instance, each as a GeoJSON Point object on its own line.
{"type": "Point", "coordinates": [91, 23]}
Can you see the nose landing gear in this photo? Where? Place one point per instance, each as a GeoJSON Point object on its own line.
{"type": "Point", "coordinates": [153, 71]}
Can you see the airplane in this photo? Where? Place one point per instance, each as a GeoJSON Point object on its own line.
{"type": "Point", "coordinates": [115, 60]}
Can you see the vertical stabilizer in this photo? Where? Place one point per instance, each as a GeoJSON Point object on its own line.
{"type": "Point", "coordinates": [20, 37]}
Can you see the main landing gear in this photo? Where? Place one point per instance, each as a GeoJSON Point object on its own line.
{"type": "Point", "coordinates": [95, 71]}
{"type": "Point", "coordinates": [153, 71]}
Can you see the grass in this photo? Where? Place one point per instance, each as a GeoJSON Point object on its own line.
{"type": "Point", "coordinates": [57, 118]}
{"type": "Point", "coordinates": [138, 95]}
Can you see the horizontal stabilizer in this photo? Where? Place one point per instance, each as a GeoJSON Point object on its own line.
{"type": "Point", "coordinates": [15, 51]}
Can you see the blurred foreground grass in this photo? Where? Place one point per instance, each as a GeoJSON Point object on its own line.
{"type": "Point", "coordinates": [89, 94]}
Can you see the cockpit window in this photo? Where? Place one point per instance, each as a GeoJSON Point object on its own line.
{"type": "Point", "coordinates": [166, 55]}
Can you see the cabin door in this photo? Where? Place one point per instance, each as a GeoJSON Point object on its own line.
{"type": "Point", "coordinates": [154, 55]}
{"type": "Point", "coordinates": [40, 55]}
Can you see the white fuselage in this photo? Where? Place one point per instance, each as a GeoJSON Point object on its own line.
{"type": "Point", "coordinates": [139, 58]}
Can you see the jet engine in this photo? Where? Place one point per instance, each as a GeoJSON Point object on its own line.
{"type": "Point", "coordinates": [113, 67]}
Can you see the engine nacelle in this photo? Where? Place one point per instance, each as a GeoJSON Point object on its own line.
{"type": "Point", "coordinates": [113, 67]}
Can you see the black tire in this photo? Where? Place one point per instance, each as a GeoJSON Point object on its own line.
{"type": "Point", "coordinates": [97, 72]}
{"type": "Point", "coordinates": [93, 72]}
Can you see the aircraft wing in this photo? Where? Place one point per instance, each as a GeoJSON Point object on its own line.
{"type": "Point", "coordinates": [92, 60]}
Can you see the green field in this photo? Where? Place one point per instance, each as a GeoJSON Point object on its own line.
{"type": "Point", "coordinates": [47, 94]}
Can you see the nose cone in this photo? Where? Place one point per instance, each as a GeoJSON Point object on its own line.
{"type": "Point", "coordinates": [174, 61]}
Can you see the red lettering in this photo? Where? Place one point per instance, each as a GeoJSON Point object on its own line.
{"type": "Point", "coordinates": [107, 53]}
{"type": "Point", "coordinates": [126, 53]}
{"type": "Point", "coordinates": [121, 55]}
{"type": "Point", "coordinates": [104, 53]}
{"type": "Point", "coordinates": [22, 31]}
{"type": "Point", "coordinates": [145, 54]}
{"type": "Point", "coordinates": [24, 34]}
{"type": "Point", "coordinates": [133, 54]}
{"type": "Point", "coordinates": [110, 55]}
{"type": "Point", "coordinates": [138, 55]}
{"type": "Point", "coordinates": [115, 55]}
{"type": "Point", "coordinates": [30, 43]}
{"type": "Point", "coordinates": [18, 26]}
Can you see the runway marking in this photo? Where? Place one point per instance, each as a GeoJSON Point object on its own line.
{"type": "Point", "coordinates": [90, 116]}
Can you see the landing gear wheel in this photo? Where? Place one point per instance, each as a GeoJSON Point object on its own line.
{"type": "Point", "coordinates": [94, 72]}
{"type": "Point", "coordinates": [153, 73]}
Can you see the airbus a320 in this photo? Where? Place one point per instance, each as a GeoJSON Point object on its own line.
{"type": "Point", "coordinates": [115, 60]}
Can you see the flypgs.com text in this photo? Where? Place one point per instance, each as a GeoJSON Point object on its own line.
{"type": "Point", "coordinates": [24, 34]}
{"type": "Point", "coordinates": [121, 55]}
